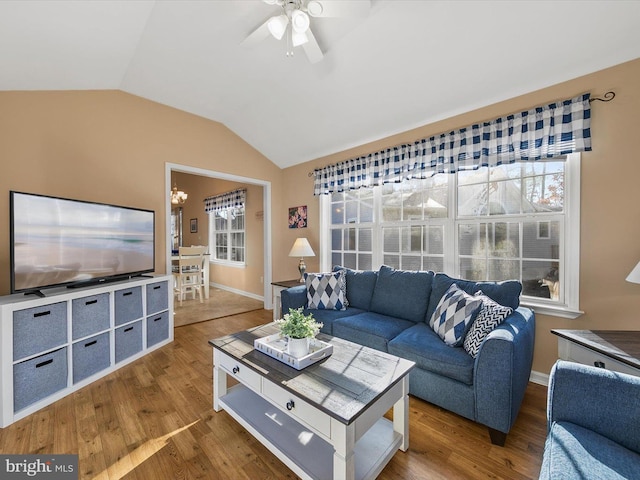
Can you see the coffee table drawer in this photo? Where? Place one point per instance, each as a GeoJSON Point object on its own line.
{"type": "Point", "coordinates": [297, 408]}
{"type": "Point", "coordinates": [240, 372]}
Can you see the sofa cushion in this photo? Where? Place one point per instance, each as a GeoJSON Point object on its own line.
{"type": "Point", "coordinates": [422, 345]}
{"type": "Point", "coordinates": [402, 293]}
{"type": "Point", "coordinates": [325, 291]}
{"type": "Point", "coordinates": [506, 293]}
{"type": "Point", "coordinates": [370, 329]}
{"type": "Point", "coordinates": [328, 317]}
{"type": "Point", "coordinates": [454, 315]}
{"type": "Point", "coordinates": [360, 285]}
{"type": "Point", "coordinates": [491, 315]}
{"type": "Point", "coordinates": [572, 451]}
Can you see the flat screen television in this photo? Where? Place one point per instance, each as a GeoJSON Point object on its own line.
{"type": "Point", "coordinates": [60, 241]}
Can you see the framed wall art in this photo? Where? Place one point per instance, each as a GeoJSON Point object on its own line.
{"type": "Point", "coordinates": [298, 217]}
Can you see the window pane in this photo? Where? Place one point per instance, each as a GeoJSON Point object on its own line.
{"type": "Point", "coordinates": [365, 261]}
{"type": "Point", "coordinates": [411, 263]}
{"type": "Point", "coordinates": [364, 240]}
{"type": "Point", "coordinates": [541, 279]}
{"type": "Point", "coordinates": [366, 205]}
{"type": "Point", "coordinates": [337, 213]}
{"type": "Point", "coordinates": [472, 239]}
{"type": "Point", "coordinates": [543, 193]}
{"type": "Point", "coordinates": [336, 259]}
{"type": "Point", "coordinates": [434, 239]}
{"type": "Point", "coordinates": [411, 239]}
{"type": "Point", "coordinates": [237, 219]}
{"type": "Point", "coordinates": [504, 239]}
{"type": "Point", "coordinates": [468, 177]}
{"type": "Point", "coordinates": [504, 197]}
{"type": "Point", "coordinates": [391, 203]}
{"type": "Point", "coordinates": [392, 261]}
{"type": "Point", "coordinates": [221, 222]}
{"type": "Point", "coordinates": [350, 261]}
{"type": "Point", "coordinates": [349, 238]}
{"type": "Point", "coordinates": [435, 264]}
{"type": "Point", "coordinates": [391, 239]}
{"type": "Point", "coordinates": [541, 240]}
{"type": "Point", "coordinates": [503, 269]}
{"type": "Point", "coordinates": [473, 269]}
{"type": "Point", "coordinates": [472, 200]}
{"type": "Point", "coordinates": [336, 239]}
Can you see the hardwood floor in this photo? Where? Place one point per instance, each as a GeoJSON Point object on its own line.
{"type": "Point", "coordinates": [153, 419]}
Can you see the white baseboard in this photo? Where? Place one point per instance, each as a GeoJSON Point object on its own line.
{"type": "Point", "coordinates": [539, 378]}
{"type": "Point", "coordinates": [239, 292]}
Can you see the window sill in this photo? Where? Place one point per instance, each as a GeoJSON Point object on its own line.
{"type": "Point", "coordinates": [229, 264]}
{"type": "Point", "coordinates": [553, 310]}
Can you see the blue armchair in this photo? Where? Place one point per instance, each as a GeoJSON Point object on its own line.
{"type": "Point", "coordinates": [593, 419]}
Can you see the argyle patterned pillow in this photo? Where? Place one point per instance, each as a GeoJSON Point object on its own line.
{"type": "Point", "coordinates": [489, 317]}
{"type": "Point", "coordinates": [326, 291]}
{"type": "Point", "coordinates": [454, 314]}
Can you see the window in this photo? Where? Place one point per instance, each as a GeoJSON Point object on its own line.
{"type": "Point", "coordinates": [227, 235]}
{"type": "Point", "coordinates": [516, 221]}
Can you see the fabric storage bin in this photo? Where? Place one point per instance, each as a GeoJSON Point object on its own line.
{"type": "Point", "coordinates": [89, 315]}
{"type": "Point", "coordinates": [39, 377]}
{"type": "Point", "coordinates": [128, 305]}
{"type": "Point", "coordinates": [157, 328]}
{"type": "Point", "coordinates": [90, 356]}
{"type": "Point", "coordinates": [157, 298]}
{"type": "Point", "coordinates": [38, 329]}
{"type": "Point", "coordinates": [128, 340]}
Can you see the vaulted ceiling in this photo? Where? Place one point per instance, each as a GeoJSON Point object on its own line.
{"type": "Point", "coordinates": [405, 64]}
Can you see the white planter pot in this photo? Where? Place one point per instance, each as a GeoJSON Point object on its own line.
{"type": "Point", "coordinates": [298, 347]}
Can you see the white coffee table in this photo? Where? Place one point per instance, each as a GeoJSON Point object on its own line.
{"type": "Point", "coordinates": [324, 422]}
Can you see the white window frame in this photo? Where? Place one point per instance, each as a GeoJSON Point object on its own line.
{"type": "Point", "coordinates": [229, 231]}
{"type": "Point", "coordinates": [569, 250]}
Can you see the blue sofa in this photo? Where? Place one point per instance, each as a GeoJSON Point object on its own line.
{"type": "Point", "coordinates": [389, 310]}
{"type": "Point", "coordinates": [593, 422]}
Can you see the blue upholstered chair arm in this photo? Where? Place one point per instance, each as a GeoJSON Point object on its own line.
{"type": "Point", "coordinates": [502, 370]}
{"type": "Point", "coordinates": [294, 297]}
{"type": "Point", "coordinates": [600, 400]}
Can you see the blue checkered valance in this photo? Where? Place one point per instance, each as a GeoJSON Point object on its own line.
{"type": "Point", "coordinates": [223, 201]}
{"type": "Point", "coordinates": [542, 132]}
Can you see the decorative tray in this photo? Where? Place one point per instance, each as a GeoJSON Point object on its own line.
{"type": "Point", "coordinates": [276, 346]}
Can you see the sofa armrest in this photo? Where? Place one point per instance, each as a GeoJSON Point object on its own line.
{"type": "Point", "coordinates": [600, 400]}
{"type": "Point", "coordinates": [294, 297]}
{"type": "Point", "coordinates": [502, 370]}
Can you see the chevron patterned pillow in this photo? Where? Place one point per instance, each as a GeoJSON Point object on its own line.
{"type": "Point", "coordinates": [490, 316]}
{"type": "Point", "coordinates": [454, 314]}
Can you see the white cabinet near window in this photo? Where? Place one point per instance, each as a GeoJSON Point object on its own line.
{"type": "Point", "coordinates": [54, 345]}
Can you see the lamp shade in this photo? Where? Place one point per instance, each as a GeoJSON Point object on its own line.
{"type": "Point", "coordinates": [634, 276]}
{"type": "Point", "coordinates": [301, 248]}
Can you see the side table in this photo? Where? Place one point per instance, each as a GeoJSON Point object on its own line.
{"type": "Point", "coordinates": [277, 287]}
{"type": "Point", "coordinates": [616, 350]}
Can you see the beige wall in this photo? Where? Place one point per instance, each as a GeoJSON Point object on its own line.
{"type": "Point", "coordinates": [610, 206]}
{"type": "Point", "coordinates": [112, 147]}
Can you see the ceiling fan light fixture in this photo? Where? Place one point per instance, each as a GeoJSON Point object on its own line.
{"type": "Point", "coordinates": [314, 8]}
{"type": "Point", "coordinates": [298, 39]}
{"type": "Point", "coordinates": [270, 2]}
{"type": "Point", "coordinates": [278, 25]}
{"type": "Point", "coordinates": [299, 21]}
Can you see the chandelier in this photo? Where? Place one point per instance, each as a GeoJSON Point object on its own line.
{"type": "Point", "coordinates": [178, 197]}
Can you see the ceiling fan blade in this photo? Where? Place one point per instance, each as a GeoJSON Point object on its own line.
{"type": "Point", "coordinates": [339, 8]}
{"type": "Point", "coordinates": [312, 49]}
{"type": "Point", "coordinates": [257, 36]}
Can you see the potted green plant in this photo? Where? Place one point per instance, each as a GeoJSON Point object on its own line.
{"type": "Point", "coordinates": [299, 330]}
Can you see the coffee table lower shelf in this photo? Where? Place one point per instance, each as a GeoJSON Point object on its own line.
{"type": "Point", "coordinates": [304, 452]}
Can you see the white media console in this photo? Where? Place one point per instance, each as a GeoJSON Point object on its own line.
{"type": "Point", "coordinates": [55, 345]}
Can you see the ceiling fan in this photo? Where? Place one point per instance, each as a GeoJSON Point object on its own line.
{"type": "Point", "coordinates": [293, 22]}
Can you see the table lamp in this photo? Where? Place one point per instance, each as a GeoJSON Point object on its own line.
{"type": "Point", "coordinates": [301, 248]}
{"type": "Point", "coordinates": [634, 276]}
